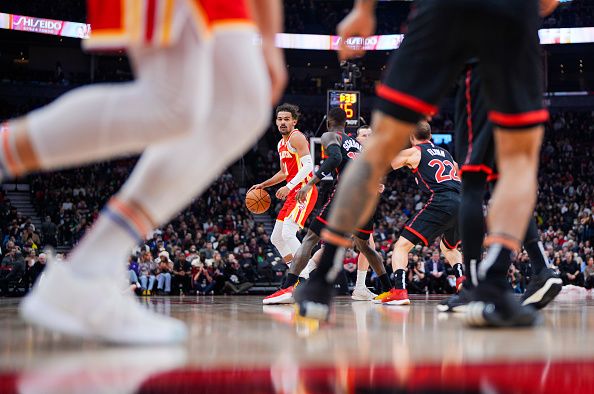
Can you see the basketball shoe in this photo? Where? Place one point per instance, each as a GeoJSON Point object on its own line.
{"type": "Point", "coordinates": [313, 300]}
{"type": "Point", "coordinates": [281, 296]}
{"type": "Point", "coordinates": [456, 303]}
{"type": "Point", "coordinates": [459, 283]}
{"type": "Point", "coordinates": [362, 293]}
{"type": "Point", "coordinates": [397, 297]}
{"type": "Point", "coordinates": [96, 308]}
{"type": "Point", "coordinates": [493, 306]}
{"type": "Point", "coordinates": [380, 297]}
{"type": "Point", "coordinates": [542, 289]}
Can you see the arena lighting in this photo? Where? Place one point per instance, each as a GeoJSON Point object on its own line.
{"type": "Point", "coordinates": [385, 42]}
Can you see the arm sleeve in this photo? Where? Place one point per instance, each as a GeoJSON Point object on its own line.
{"type": "Point", "coordinates": [306, 169]}
{"type": "Point", "coordinates": [331, 163]}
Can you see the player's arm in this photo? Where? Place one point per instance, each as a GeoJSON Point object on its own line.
{"type": "Point", "coordinates": [331, 144]}
{"type": "Point", "coordinates": [273, 180]}
{"type": "Point", "coordinates": [408, 157]}
{"type": "Point", "coordinates": [300, 144]}
{"type": "Point", "coordinates": [268, 16]}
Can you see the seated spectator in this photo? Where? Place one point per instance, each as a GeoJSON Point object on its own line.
{"type": "Point", "coordinates": [12, 268]}
{"type": "Point", "coordinates": [350, 266]}
{"type": "Point", "coordinates": [235, 279]}
{"type": "Point", "coordinates": [164, 274]}
{"type": "Point", "coordinates": [147, 268]}
{"type": "Point", "coordinates": [416, 277]}
{"type": "Point", "coordinates": [436, 273]}
{"type": "Point", "coordinates": [570, 271]}
{"type": "Point", "coordinates": [203, 282]}
{"type": "Point", "coordinates": [589, 274]}
{"type": "Point", "coordinates": [182, 274]}
{"type": "Point", "coordinates": [133, 272]}
{"type": "Point", "coordinates": [36, 270]}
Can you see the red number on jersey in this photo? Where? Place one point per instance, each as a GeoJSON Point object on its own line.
{"type": "Point", "coordinates": [441, 169]}
{"type": "Point", "coordinates": [352, 155]}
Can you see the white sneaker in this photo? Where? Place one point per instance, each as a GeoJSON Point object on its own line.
{"type": "Point", "coordinates": [96, 308]}
{"type": "Point", "coordinates": [362, 294]}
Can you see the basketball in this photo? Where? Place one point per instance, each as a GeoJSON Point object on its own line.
{"type": "Point", "coordinates": [257, 201]}
{"type": "Point", "coordinates": [547, 7]}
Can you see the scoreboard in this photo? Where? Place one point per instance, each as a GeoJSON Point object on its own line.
{"type": "Point", "coordinates": [349, 101]}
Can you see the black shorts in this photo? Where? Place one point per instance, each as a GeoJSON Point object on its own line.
{"type": "Point", "coordinates": [474, 144]}
{"type": "Point", "coordinates": [444, 35]}
{"type": "Point", "coordinates": [321, 220]}
{"type": "Point", "coordinates": [439, 217]}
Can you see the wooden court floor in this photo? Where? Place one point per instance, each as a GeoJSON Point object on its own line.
{"type": "Point", "coordinates": [239, 345]}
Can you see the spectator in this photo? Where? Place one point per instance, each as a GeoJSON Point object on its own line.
{"type": "Point", "coordinates": [589, 274]}
{"type": "Point", "coordinates": [147, 268]}
{"type": "Point", "coordinates": [570, 271]}
{"type": "Point", "coordinates": [182, 274]}
{"type": "Point", "coordinates": [49, 232]}
{"type": "Point", "coordinates": [36, 270]}
{"type": "Point", "coordinates": [350, 266]}
{"type": "Point", "coordinates": [416, 277]}
{"type": "Point", "coordinates": [12, 268]}
{"type": "Point", "coordinates": [203, 282]}
{"type": "Point", "coordinates": [436, 273]}
{"type": "Point", "coordinates": [235, 279]}
{"type": "Point", "coordinates": [164, 274]}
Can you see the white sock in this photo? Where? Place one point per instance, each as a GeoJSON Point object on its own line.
{"type": "Point", "coordinates": [104, 250]}
{"type": "Point", "coordinates": [311, 265]}
{"type": "Point", "coordinates": [361, 275]}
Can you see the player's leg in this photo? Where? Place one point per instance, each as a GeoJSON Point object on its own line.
{"type": "Point", "coordinates": [399, 295]}
{"type": "Point", "coordinates": [545, 284]}
{"type": "Point", "coordinates": [166, 179]}
{"type": "Point", "coordinates": [367, 254]}
{"type": "Point", "coordinates": [512, 79]}
{"type": "Point", "coordinates": [279, 242]}
{"type": "Point", "coordinates": [289, 235]}
{"type": "Point", "coordinates": [103, 121]}
{"type": "Point", "coordinates": [472, 222]}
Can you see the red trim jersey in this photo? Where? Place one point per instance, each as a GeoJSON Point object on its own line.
{"type": "Point", "coordinates": [291, 164]}
{"type": "Point", "coordinates": [120, 24]}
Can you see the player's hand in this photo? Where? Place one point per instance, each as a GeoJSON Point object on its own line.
{"type": "Point", "coordinates": [360, 22]}
{"type": "Point", "coordinates": [282, 193]}
{"type": "Point", "coordinates": [277, 71]}
{"type": "Point", "coordinates": [381, 188]}
{"type": "Point", "coordinates": [302, 193]}
{"type": "Point", "coordinates": [256, 186]}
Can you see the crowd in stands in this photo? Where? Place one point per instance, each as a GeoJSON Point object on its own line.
{"type": "Point", "coordinates": [215, 246]}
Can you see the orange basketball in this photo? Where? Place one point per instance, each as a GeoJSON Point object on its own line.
{"type": "Point", "coordinates": [547, 7]}
{"type": "Point", "coordinates": [257, 201]}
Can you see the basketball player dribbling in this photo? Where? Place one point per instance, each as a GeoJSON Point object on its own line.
{"type": "Point", "coordinates": [503, 35]}
{"type": "Point", "coordinates": [201, 92]}
{"type": "Point", "coordinates": [341, 150]}
{"type": "Point", "coordinates": [296, 169]}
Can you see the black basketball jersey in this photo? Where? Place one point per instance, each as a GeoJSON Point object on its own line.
{"type": "Point", "coordinates": [436, 172]}
{"type": "Point", "coordinates": [350, 148]}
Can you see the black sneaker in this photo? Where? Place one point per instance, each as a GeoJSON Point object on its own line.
{"type": "Point", "coordinates": [313, 300]}
{"type": "Point", "coordinates": [493, 306]}
{"type": "Point", "coordinates": [457, 302]}
{"type": "Point", "coordinates": [542, 289]}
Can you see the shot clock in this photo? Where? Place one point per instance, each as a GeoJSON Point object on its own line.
{"type": "Point", "coordinates": [349, 101]}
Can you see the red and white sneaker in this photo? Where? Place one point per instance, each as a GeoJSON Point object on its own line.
{"type": "Point", "coordinates": [282, 296]}
{"type": "Point", "coordinates": [459, 283]}
{"type": "Point", "coordinates": [396, 297]}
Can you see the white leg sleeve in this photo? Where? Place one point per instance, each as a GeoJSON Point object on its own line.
{"type": "Point", "coordinates": [311, 265]}
{"type": "Point", "coordinates": [169, 176]}
{"type": "Point", "coordinates": [104, 121]}
{"type": "Point", "coordinates": [290, 229]}
{"type": "Point", "coordinates": [277, 239]}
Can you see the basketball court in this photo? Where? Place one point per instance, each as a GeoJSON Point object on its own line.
{"type": "Point", "coordinates": [239, 345]}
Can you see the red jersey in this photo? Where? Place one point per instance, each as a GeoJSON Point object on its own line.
{"type": "Point", "coordinates": [119, 24]}
{"type": "Point", "coordinates": [290, 161]}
